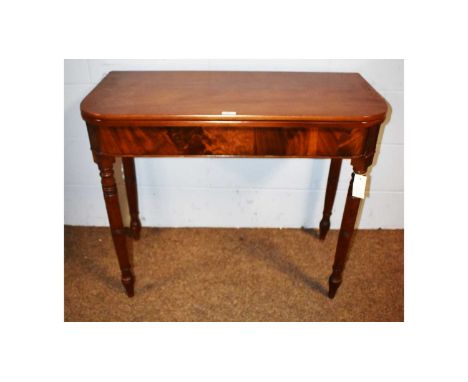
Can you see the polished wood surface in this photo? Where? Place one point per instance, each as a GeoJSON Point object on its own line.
{"type": "Point", "coordinates": [312, 142]}
{"type": "Point", "coordinates": [260, 96]}
{"type": "Point", "coordinates": [310, 115]}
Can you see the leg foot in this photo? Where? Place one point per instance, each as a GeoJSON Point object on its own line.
{"type": "Point", "coordinates": [135, 228]}
{"type": "Point", "coordinates": [334, 283]}
{"type": "Point", "coordinates": [128, 281]}
{"type": "Point", "coordinates": [324, 227]}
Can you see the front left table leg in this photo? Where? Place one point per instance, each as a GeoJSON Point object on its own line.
{"type": "Point", "coordinates": [109, 188]}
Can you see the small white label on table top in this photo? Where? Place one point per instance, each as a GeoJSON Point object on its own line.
{"type": "Point", "coordinates": [228, 113]}
{"type": "Point", "coordinates": [359, 186]}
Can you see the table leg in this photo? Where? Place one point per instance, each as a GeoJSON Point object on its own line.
{"type": "Point", "coordinates": [360, 166]}
{"type": "Point", "coordinates": [132, 196]}
{"type": "Point", "coordinates": [109, 188]}
{"type": "Point", "coordinates": [344, 239]}
{"type": "Point", "coordinates": [332, 183]}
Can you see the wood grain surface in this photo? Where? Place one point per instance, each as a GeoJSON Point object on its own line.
{"type": "Point", "coordinates": [204, 96]}
{"type": "Point", "coordinates": [311, 142]}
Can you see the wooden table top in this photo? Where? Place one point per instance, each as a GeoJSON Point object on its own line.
{"type": "Point", "coordinates": [253, 96]}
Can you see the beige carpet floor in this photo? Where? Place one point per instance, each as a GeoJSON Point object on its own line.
{"type": "Point", "coordinates": [233, 275]}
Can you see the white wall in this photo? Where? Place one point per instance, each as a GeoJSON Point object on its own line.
{"type": "Point", "coordinates": [199, 192]}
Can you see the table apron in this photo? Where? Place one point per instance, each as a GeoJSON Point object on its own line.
{"type": "Point", "coordinates": [345, 142]}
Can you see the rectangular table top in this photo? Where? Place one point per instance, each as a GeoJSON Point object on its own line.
{"type": "Point", "coordinates": [245, 96]}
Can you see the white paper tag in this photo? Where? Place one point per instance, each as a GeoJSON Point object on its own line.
{"type": "Point", "coordinates": [228, 113]}
{"type": "Point", "coordinates": [359, 186]}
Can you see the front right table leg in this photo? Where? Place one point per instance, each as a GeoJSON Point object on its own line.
{"type": "Point", "coordinates": [344, 238]}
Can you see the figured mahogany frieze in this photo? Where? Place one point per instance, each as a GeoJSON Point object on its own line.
{"type": "Point", "coordinates": [229, 141]}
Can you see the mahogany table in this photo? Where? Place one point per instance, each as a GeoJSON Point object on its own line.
{"type": "Point", "coordinates": [232, 114]}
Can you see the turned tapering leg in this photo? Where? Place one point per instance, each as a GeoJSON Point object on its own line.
{"type": "Point", "coordinates": [109, 188]}
{"type": "Point", "coordinates": [360, 166]}
{"type": "Point", "coordinates": [132, 196]}
{"type": "Point", "coordinates": [344, 239]}
{"type": "Point", "coordinates": [332, 183]}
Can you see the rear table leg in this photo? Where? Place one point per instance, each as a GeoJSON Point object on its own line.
{"type": "Point", "coordinates": [333, 177]}
{"type": "Point", "coordinates": [132, 196]}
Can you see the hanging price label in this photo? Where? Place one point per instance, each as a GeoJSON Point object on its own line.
{"type": "Point", "coordinates": [359, 186]}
